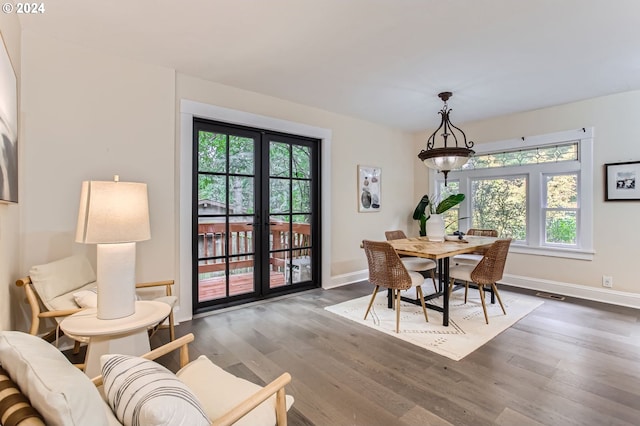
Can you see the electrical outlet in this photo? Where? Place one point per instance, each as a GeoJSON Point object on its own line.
{"type": "Point", "coordinates": [607, 281]}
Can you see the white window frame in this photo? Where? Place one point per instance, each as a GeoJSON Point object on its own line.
{"type": "Point", "coordinates": [535, 243]}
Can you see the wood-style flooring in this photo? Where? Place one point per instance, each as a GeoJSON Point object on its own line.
{"type": "Point", "coordinates": [570, 362]}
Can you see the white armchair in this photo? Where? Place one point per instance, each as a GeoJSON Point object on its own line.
{"type": "Point", "coordinates": [66, 286]}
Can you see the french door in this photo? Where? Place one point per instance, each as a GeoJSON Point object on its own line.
{"type": "Point", "coordinates": [256, 221]}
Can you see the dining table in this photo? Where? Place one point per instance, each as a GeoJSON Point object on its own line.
{"type": "Point", "coordinates": [441, 251]}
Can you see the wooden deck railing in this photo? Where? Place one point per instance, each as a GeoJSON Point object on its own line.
{"type": "Point", "coordinates": [212, 242]}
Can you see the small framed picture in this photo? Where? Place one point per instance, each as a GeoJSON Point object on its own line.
{"type": "Point", "coordinates": [621, 181]}
{"type": "Point", "coordinates": [369, 188]}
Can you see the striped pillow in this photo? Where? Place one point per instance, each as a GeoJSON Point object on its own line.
{"type": "Point", "coordinates": [142, 392]}
{"type": "Point", "coordinates": [14, 406]}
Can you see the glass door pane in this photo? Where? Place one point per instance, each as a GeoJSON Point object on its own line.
{"type": "Point", "coordinates": [290, 212]}
{"type": "Point", "coordinates": [225, 215]}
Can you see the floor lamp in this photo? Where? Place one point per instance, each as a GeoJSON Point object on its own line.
{"type": "Point", "coordinates": [114, 215]}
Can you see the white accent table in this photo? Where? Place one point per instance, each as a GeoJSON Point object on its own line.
{"type": "Point", "coordinates": [127, 336]}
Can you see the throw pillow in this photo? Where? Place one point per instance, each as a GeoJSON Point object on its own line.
{"type": "Point", "coordinates": [86, 298]}
{"type": "Point", "coordinates": [56, 389]}
{"type": "Point", "coordinates": [142, 392]}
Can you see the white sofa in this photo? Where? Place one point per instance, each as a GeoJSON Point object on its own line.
{"type": "Point", "coordinates": [134, 390]}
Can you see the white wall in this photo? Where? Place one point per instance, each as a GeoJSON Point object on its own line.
{"type": "Point", "coordinates": [617, 132]}
{"type": "Point", "coordinates": [9, 213]}
{"type": "Point", "coordinates": [353, 142]}
{"type": "Point", "coordinates": [88, 116]}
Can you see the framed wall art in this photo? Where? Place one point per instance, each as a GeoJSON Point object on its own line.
{"type": "Point", "coordinates": [369, 188]}
{"type": "Point", "coordinates": [621, 181]}
{"type": "Point", "coordinates": [8, 129]}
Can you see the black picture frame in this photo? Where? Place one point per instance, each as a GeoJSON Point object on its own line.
{"type": "Point", "coordinates": [622, 181]}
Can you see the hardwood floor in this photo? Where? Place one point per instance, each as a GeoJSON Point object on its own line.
{"type": "Point", "coordinates": [569, 362]}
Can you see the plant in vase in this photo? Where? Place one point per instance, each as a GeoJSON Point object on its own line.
{"type": "Point", "coordinates": [427, 208]}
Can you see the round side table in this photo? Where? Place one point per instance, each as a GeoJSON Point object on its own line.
{"type": "Point", "coordinates": [127, 336]}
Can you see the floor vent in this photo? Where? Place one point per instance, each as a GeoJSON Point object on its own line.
{"type": "Point", "coordinates": [550, 296]}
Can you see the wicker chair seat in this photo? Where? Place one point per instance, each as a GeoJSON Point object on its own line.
{"type": "Point", "coordinates": [417, 264]}
{"type": "Point", "coordinates": [474, 258]}
{"type": "Point", "coordinates": [414, 263]}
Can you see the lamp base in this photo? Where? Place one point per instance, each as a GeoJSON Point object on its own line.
{"type": "Point", "coordinates": [116, 280]}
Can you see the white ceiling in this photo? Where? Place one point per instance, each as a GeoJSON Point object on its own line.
{"type": "Point", "coordinates": [383, 61]}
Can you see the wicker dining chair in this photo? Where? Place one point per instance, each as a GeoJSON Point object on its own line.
{"type": "Point", "coordinates": [474, 258]}
{"type": "Point", "coordinates": [386, 270]}
{"type": "Point", "coordinates": [414, 263]}
{"type": "Point", "coordinates": [486, 273]}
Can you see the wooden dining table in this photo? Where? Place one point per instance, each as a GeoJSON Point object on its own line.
{"type": "Point", "coordinates": [441, 252]}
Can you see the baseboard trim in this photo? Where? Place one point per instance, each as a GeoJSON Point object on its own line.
{"type": "Point", "coordinates": [613, 297]}
{"type": "Point", "coordinates": [344, 279]}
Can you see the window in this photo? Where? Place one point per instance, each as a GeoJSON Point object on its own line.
{"type": "Point", "coordinates": [500, 203]}
{"type": "Point", "coordinates": [560, 209]}
{"type": "Point", "coordinates": [539, 194]}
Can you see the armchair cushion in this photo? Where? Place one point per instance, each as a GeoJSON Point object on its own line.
{"type": "Point", "coordinates": [142, 392]}
{"type": "Point", "coordinates": [56, 389]}
{"type": "Point", "coordinates": [67, 301]}
{"type": "Point", "coordinates": [61, 278]}
{"type": "Point", "coordinates": [220, 391]}
{"type": "Point", "coordinates": [169, 300]}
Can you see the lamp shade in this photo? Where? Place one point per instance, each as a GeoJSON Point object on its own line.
{"type": "Point", "coordinates": [113, 212]}
{"type": "Point", "coordinates": [445, 158]}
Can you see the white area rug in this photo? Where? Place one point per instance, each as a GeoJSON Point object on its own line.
{"type": "Point", "coordinates": [467, 330]}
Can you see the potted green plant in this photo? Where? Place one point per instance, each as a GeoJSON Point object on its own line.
{"type": "Point", "coordinates": [427, 207]}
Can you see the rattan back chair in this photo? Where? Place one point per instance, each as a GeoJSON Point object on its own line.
{"type": "Point", "coordinates": [386, 270]}
{"type": "Point", "coordinates": [414, 263]}
{"type": "Point", "coordinates": [487, 272]}
{"type": "Point", "coordinates": [396, 234]}
{"type": "Point", "coordinates": [483, 232]}
{"type": "Point", "coordinates": [474, 257]}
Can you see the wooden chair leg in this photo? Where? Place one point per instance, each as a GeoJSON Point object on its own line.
{"type": "Point", "coordinates": [451, 283]}
{"type": "Point", "coordinates": [424, 307]}
{"type": "Point", "coordinates": [172, 331]}
{"type": "Point", "coordinates": [433, 278]}
{"type": "Point", "coordinates": [50, 336]}
{"type": "Point", "coordinates": [373, 297]}
{"type": "Point", "coordinates": [495, 291]}
{"type": "Point", "coordinates": [484, 306]}
{"type": "Point", "coordinates": [397, 311]}
{"type": "Point", "coordinates": [76, 347]}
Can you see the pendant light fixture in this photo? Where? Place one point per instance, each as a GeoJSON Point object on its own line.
{"type": "Point", "coordinates": [446, 158]}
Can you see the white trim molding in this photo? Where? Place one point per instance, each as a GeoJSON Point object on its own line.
{"type": "Point", "coordinates": [613, 297]}
{"type": "Point", "coordinates": [349, 278]}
